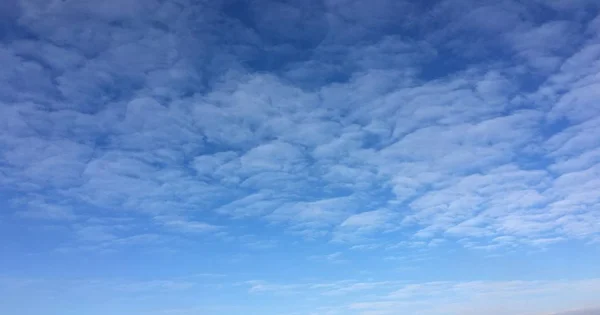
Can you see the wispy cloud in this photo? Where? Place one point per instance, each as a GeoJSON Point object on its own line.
{"type": "Point", "coordinates": [447, 297]}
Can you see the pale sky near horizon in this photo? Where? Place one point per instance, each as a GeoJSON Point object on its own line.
{"type": "Point", "coordinates": [308, 157]}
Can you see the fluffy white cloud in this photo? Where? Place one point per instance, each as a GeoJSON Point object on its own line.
{"type": "Point", "coordinates": [372, 126]}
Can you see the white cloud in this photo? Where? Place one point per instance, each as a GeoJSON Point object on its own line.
{"type": "Point", "coordinates": [184, 225]}
{"type": "Point", "coordinates": [517, 297]}
{"type": "Point", "coordinates": [544, 46]}
{"type": "Point", "coordinates": [369, 219]}
{"type": "Point", "coordinates": [314, 216]}
{"type": "Point", "coordinates": [442, 297]}
{"type": "Point", "coordinates": [178, 115]}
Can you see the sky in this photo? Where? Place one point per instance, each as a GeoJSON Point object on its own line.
{"type": "Point", "coordinates": [307, 157]}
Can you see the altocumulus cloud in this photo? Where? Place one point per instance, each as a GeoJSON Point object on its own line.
{"type": "Point", "coordinates": [243, 129]}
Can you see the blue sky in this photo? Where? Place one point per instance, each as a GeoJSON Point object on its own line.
{"type": "Point", "coordinates": [314, 157]}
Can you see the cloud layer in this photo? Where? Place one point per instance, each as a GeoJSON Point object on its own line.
{"type": "Point", "coordinates": [371, 126]}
